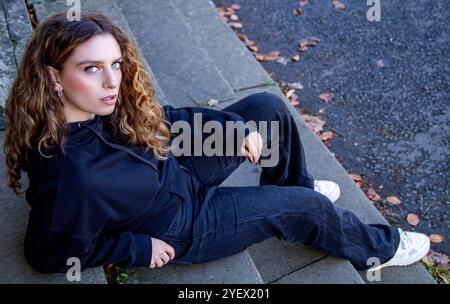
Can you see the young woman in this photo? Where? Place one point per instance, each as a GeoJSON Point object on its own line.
{"type": "Point", "coordinates": [105, 186]}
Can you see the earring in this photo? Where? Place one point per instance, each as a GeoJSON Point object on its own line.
{"type": "Point", "coordinates": [59, 93]}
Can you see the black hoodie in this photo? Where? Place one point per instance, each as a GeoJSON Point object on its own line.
{"type": "Point", "coordinates": [103, 201]}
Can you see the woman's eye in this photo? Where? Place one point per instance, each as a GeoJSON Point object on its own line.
{"type": "Point", "coordinates": [117, 65]}
{"type": "Point", "coordinates": [89, 69]}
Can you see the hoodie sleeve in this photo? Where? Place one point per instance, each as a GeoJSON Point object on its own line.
{"type": "Point", "coordinates": [49, 251]}
{"type": "Point", "coordinates": [197, 117]}
{"type": "Point", "coordinates": [82, 211]}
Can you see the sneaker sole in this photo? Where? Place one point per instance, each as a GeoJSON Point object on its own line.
{"type": "Point", "coordinates": [404, 262]}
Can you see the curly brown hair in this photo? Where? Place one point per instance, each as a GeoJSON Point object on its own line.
{"type": "Point", "coordinates": [34, 113]}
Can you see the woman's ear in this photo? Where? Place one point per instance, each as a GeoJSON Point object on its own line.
{"type": "Point", "coordinates": [54, 75]}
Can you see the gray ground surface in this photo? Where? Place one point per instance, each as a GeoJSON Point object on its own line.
{"type": "Point", "coordinates": [392, 122]}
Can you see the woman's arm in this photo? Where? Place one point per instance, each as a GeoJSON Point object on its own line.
{"type": "Point", "coordinates": [48, 251]}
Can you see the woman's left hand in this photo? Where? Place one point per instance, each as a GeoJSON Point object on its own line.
{"type": "Point", "coordinates": [252, 147]}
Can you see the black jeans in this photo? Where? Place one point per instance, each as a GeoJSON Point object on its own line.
{"type": "Point", "coordinates": [226, 220]}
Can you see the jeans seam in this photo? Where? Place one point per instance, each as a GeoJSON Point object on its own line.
{"type": "Point", "coordinates": [232, 162]}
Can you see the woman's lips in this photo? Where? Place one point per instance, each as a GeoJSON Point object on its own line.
{"type": "Point", "coordinates": [109, 100]}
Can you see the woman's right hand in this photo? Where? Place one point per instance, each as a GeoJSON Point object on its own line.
{"type": "Point", "coordinates": [161, 253]}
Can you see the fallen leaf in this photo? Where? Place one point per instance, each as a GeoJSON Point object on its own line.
{"type": "Point", "coordinates": [294, 85]}
{"type": "Point", "coordinates": [298, 12]}
{"type": "Point", "coordinates": [252, 48]}
{"type": "Point", "coordinates": [213, 102]}
{"type": "Point", "coordinates": [293, 100]}
{"type": "Point", "coordinates": [237, 25]}
{"type": "Point", "coordinates": [274, 55]}
{"type": "Point", "coordinates": [236, 6]}
{"type": "Point", "coordinates": [373, 195]}
{"type": "Point", "coordinates": [234, 17]}
{"type": "Point", "coordinates": [295, 58]}
{"type": "Point", "coordinates": [380, 63]}
{"type": "Point", "coordinates": [243, 37]}
{"type": "Point", "coordinates": [326, 136]}
{"type": "Point", "coordinates": [289, 93]}
{"type": "Point", "coordinates": [304, 2]}
{"type": "Point", "coordinates": [308, 41]}
{"type": "Point", "coordinates": [250, 43]}
{"type": "Point", "coordinates": [393, 200]}
{"type": "Point", "coordinates": [314, 123]}
{"type": "Point", "coordinates": [221, 11]}
{"type": "Point", "coordinates": [356, 177]}
{"type": "Point", "coordinates": [338, 4]}
{"type": "Point", "coordinates": [302, 48]}
{"type": "Point", "coordinates": [436, 238]}
{"type": "Point", "coordinates": [413, 219]}
{"type": "Point", "coordinates": [438, 258]}
{"type": "Point", "coordinates": [326, 96]}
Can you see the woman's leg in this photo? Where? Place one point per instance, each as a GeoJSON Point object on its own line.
{"type": "Point", "coordinates": [290, 167]}
{"type": "Point", "coordinates": [229, 219]}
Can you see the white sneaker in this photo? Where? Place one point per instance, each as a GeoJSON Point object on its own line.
{"type": "Point", "coordinates": [328, 188]}
{"type": "Point", "coordinates": [412, 248]}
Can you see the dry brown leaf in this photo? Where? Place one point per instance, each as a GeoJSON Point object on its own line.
{"type": "Point", "coordinates": [393, 200]}
{"type": "Point", "coordinates": [250, 43]}
{"type": "Point", "coordinates": [295, 58]}
{"type": "Point", "coordinates": [293, 100]}
{"type": "Point", "coordinates": [356, 177]}
{"type": "Point", "coordinates": [373, 195]}
{"type": "Point", "coordinates": [314, 123]}
{"type": "Point", "coordinates": [308, 41]}
{"type": "Point", "coordinates": [274, 55]}
{"type": "Point", "coordinates": [302, 48]}
{"type": "Point", "coordinates": [326, 136]}
{"type": "Point", "coordinates": [289, 93]}
{"type": "Point", "coordinates": [221, 11]}
{"type": "Point", "coordinates": [243, 37]}
{"type": "Point", "coordinates": [237, 25]}
{"type": "Point", "coordinates": [298, 12]}
{"type": "Point", "coordinates": [252, 48]}
{"type": "Point", "coordinates": [413, 219]}
{"type": "Point", "coordinates": [338, 4]}
{"type": "Point", "coordinates": [213, 102]}
{"type": "Point", "coordinates": [436, 238]}
{"type": "Point", "coordinates": [236, 6]}
{"type": "Point", "coordinates": [294, 85]}
{"type": "Point", "coordinates": [304, 2]}
{"type": "Point", "coordinates": [234, 17]}
{"type": "Point", "coordinates": [326, 96]}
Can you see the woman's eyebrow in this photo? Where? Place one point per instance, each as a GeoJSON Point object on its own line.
{"type": "Point", "coordinates": [94, 61]}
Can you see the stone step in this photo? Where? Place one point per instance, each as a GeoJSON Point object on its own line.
{"type": "Point", "coordinates": [7, 60]}
{"type": "Point", "coordinates": [183, 68]}
{"type": "Point", "coordinates": [235, 269]}
{"type": "Point", "coordinates": [235, 62]}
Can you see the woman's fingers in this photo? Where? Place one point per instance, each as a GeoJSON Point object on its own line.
{"type": "Point", "coordinates": [171, 252]}
{"type": "Point", "coordinates": [252, 147]}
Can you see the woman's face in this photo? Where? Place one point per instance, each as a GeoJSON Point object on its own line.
{"type": "Point", "coordinates": [91, 73]}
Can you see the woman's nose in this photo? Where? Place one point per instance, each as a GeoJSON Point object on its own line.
{"type": "Point", "coordinates": [111, 80]}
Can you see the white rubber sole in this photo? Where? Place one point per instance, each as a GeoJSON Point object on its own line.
{"type": "Point", "coordinates": [405, 262]}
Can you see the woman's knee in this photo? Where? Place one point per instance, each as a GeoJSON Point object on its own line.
{"type": "Point", "coordinates": [269, 101]}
